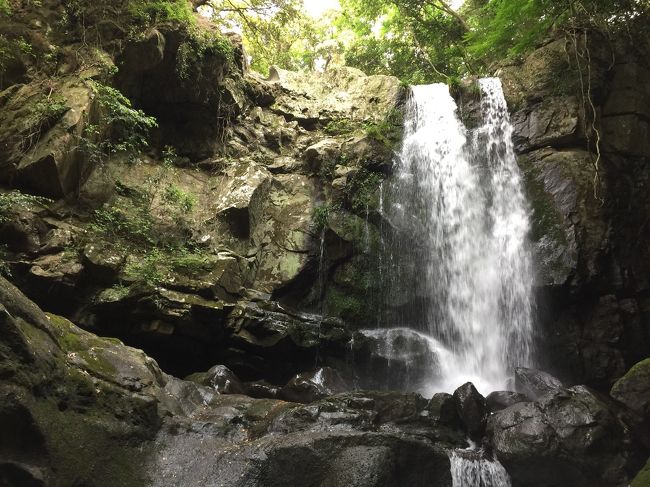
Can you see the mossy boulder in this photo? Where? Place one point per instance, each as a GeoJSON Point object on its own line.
{"type": "Point", "coordinates": [633, 389]}
{"type": "Point", "coordinates": [642, 478]}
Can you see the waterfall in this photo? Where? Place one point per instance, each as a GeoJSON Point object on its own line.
{"type": "Point", "coordinates": [469, 469]}
{"type": "Point", "coordinates": [459, 265]}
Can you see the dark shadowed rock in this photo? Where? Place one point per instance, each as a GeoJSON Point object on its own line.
{"type": "Point", "coordinates": [262, 389]}
{"type": "Point", "coordinates": [102, 263]}
{"type": "Point", "coordinates": [221, 379]}
{"type": "Point", "coordinates": [498, 400]}
{"type": "Point", "coordinates": [569, 437]}
{"type": "Point", "coordinates": [535, 383]}
{"type": "Point", "coordinates": [443, 408]}
{"type": "Point", "coordinates": [642, 478]}
{"type": "Point", "coordinates": [472, 409]}
{"type": "Point", "coordinates": [310, 386]}
{"type": "Point", "coordinates": [633, 389]}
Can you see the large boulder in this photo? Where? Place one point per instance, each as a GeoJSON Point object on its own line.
{"type": "Point", "coordinates": [633, 389]}
{"type": "Point", "coordinates": [567, 437]}
{"type": "Point", "coordinates": [341, 93]}
{"type": "Point", "coordinates": [442, 407]}
{"type": "Point", "coordinates": [472, 409]}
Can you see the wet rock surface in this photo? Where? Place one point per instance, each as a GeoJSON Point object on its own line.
{"type": "Point", "coordinates": [535, 383]}
{"type": "Point", "coordinates": [566, 437]}
{"type": "Point", "coordinates": [173, 431]}
{"type": "Point", "coordinates": [472, 409]}
{"type": "Point", "coordinates": [66, 395]}
{"type": "Point", "coordinates": [498, 400]}
{"type": "Point", "coordinates": [586, 201]}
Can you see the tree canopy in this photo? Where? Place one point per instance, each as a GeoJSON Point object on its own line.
{"type": "Point", "coordinates": [418, 41]}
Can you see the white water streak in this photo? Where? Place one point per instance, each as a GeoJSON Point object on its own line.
{"type": "Point", "coordinates": [476, 471]}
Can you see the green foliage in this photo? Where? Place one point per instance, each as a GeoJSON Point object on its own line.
{"type": "Point", "coordinates": [128, 221]}
{"type": "Point", "coordinates": [279, 32]}
{"type": "Point", "coordinates": [321, 215]}
{"type": "Point", "coordinates": [120, 128]}
{"type": "Point", "coordinates": [133, 17]}
{"type": "Point", "coordinates": [341, 126]}
{"type": "Point", "coordinates": [177, 198]}
{"type": "Point", "coordinates": [388, 131]}
{"type": "Point", "coordinates": [5, 8]}
{"type": "Point", "coordinates": [422, 42]}
{"type": "Point", "coordinates": [49, 107]}
{"type": "Point", "coordinates": [5, 269]}
{"type": "Point", "coordinates": [13, 201]}
{"type": "Point", "coordinates": [515, 26]}
{"type": "Point", "coordinates": [342, 303]}
{"type": "Point", "coordinates": [199, 45]}
{"type": "Point", "coordinates": [147, 269]}
{"type": "Point", "coordinates": [363, 188]}
{"type": "Point", "coordinates": [418, 42]}
{"type": "Point", "coordinates": [128, 126]}
{"type": "Point", "coordinates": [152, 12]}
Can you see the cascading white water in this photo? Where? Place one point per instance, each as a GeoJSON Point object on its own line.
{"type": "Point", "coordinates": [468, 470]}
{"type": "Point", "coordinates": [462, 268]}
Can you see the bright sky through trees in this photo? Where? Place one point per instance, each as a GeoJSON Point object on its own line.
{"type": "Point", "coordinates": [316, 7]}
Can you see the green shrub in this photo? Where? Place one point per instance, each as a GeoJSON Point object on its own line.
{"type": "Point", "coordinates": [388, 131]}
{"type": "Point", "coordinates": [342, 126]}
{"type": "Point", "coordinates": [152, 12]}
{"type": "Point", "coordinates": [131, 222]}
{"type": "Point", "coordinates": [179, 200]}
{"type": "Point", "coordinates": [147, 269]}
{"type": "Point", "coordinates": [128, 126]}
{"type": "Point", "coordinates": [5, 269]}
{"type": "Point", "coordinates": [15, 200]}
{"type": "Point", "coordinates": [199, 45]}
{"type": "Point", "coordinates": [362, 189]}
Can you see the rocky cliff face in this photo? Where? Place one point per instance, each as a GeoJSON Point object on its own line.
{"type": "Point", "coordinates": [249, 208]}
{"type": "Point", "coordinates": [581, 120]}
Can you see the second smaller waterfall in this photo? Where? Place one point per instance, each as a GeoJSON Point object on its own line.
{"type": "Point", "coordinates": [470, 469]}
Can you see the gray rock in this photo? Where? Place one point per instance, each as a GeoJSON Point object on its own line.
{"type": "Point", "coordinates": [220, 378]}
{"type": "Point", "coordinates": [103, 264]}
{"type": "Point", "coordinates": [310, 386]}
{"type": "Point", "coordinates": [535, 383]}
{"type": "Point", "coordinates": [472, 409]}
{"type": "Point", "coordinates": [261, 389]}
{"type": "Point", "coordinates": [633, 389]}
{"type": "Point", "coordinates": [568, 437]}
{"type": "Point", "coordinates": [498, 400]}
{"type": "Point", "coordinates": [442, 407]}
